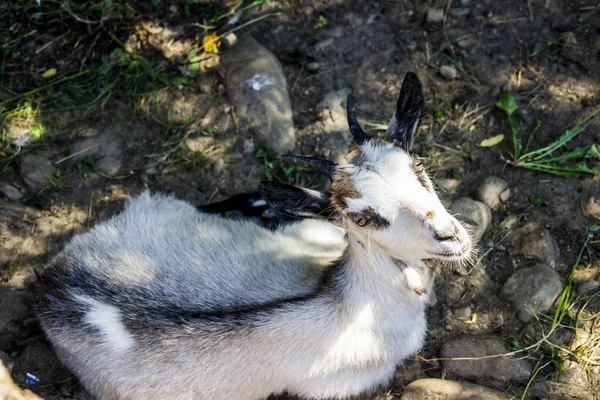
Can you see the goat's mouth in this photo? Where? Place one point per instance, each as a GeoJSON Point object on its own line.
{"type": "Point", "coordinates": [457, 254]}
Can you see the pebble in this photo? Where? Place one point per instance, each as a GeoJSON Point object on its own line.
{"type": "Point", "coordinates": [257, 89]}
{"type": "Point", "coordinates": [442, 389]}
{"type": "Point", "coordinates": [475, 214]}
{"type": "Point", "coordinates": [18, 210]}
{"type": "Point", "coordinates": [10, 192]}
{"type": "Point", "coordinates": [199, 143]}
{"type": "Point", "coordinates": [435, 15]}
{"type": "Point", "coordinates": [460, 12]}
{"type": "Point", "coordinates": [218, 166]}
{"type": "Point", "coordinates": [448, 72]}
{"type": "Point", "coordinates": [503, 369]}
{"type": "Point", "coordinates": [229, 40]}
{"type": "Point", "coordinates": [587, 287]}
{"type": "Point", "coordinates": [448, 185]}
{"type": "Point", "coordinates": [535, 288]}
{"type": "Point", "coordinates": [535, 242]}
{"type": "Point", "coordinates": [105, 149]}
{"type": "Point", "coordinates": [313, 66]}
{"type": "Point", "coordinates": [333, 111]}
{"type": "Point", "coordinates": [37, 172]}
{"type": "Point", "coordinates": [492, 191]}
{"type": "Point", "coordinates": [590, 201]}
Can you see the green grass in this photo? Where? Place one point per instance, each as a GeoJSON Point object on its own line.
{"type": "Point", "coordinates": [554, 158]}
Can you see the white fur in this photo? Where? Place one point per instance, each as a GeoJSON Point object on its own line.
{"type": "Point", "coordinates": [140, 278]}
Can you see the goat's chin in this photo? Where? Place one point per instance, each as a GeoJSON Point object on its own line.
{"type": "Point", "coordinates": [460, 255]}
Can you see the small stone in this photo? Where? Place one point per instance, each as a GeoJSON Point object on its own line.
{"type": "Point", "coordinates": [492, 190]}
{"type": "Point", "coordinates": [199, 143]}
{"type": "Point", "coordinates": [503, 369]}
{"type": "Point", "coordinates": [335, 32]}
{"type": "Point", "coordinates": [463, 312]}
{"type": "Point", "coordinates": [333, 111]}
{"type": "Point", "coordinates": [323, 44]}
{"type": "Point", "coordinates": [249, 146]}
{"type": "Point", "coordinates": [188, 73]}
{"type": "Point", "coordinates": [18, 210]}
{"type": "Point", "coordinates": [109, 164]}
{"type": "Point", "coordinates": [475, 214]}
{"type": "Point", "coordinates": [460, 12]}
{"type": "Point", "coordinates": [10, 192]}
{"type": "Point", "coordinates": [569, 38]}
{"type": "Point", "coordinates": [37, 172]}
{"type": "Point", "coordinates": [447, 185]}
{"type": "Point", "coordinates": [218, 166]}
{"type": "Point", "coordinates": [465, 3]}
{"type": "Point", "coordinates": [313, 66]}
{"type": "Point", "coordinates": [535, 288]}
{"type": "Point", "coordinates": [7, 361]}
{"type": "Point", "coordinates": [444, 389]}
{"type": "Point", "coordinates": [535, 242]}
{"type": "Point", "coordinates": [435, 15]}
{"type": "Point", "coordinates": [448, 71]}
{"type": "Point", "coordinates": [229, 40]}
{"type": "Point", "coordinates": [587, 287]}
{"type": "Point", "coordinates": [590, 201]}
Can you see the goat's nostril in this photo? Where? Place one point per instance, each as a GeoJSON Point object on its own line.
{"type": "Point", "coordinates": [448, 232]}
{"type": "Point", "coordinates": [443, 235]}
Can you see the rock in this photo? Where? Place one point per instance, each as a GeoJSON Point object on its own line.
{"type": "Point", "coordinates": [476, 215]}
{"type": "Point", "coordinates": [463, 312]}
{"type": "Point", "coordinates": [199, 143]}
{"type": "Point", "coordinates": [7, 361]}
{"type": "Point", "coordinates": [535, 242]}
{"type": "Point", "coordinates": [333, 111]}
{"type": "Point", "coordinates": [229, 40]}
{"type": "Point", "coordinates": [448, 185]}
{"type": "Point", "coordinates": [535, 288]}
{"type": "Point", "coordinates": [492, 191]}
{"type": "Point", "coordinates": [435, 15]}
{"type": "Point", "coordinates": [10, 391]}
{"type": "Point", "coordinates": [109, 164]}
{"type": "Point", "coordinates": [558, 390]}
{"type": "Point", "coordinates": [587, 287]}
{"type": "Point", "coordinates": [448, 71]}
{"type": "Point", "coordinates": [313, 66]}
{"type": "Point", "coordinates": [257, 89]}
{"type": "Point", "coordinates": [590, 201]}
{"type": "Point", "coordinates": [37, 172]}
{"type": "Point", "coordinates": [11, 192]}
{"type": "Point", "coordinates": [442, 389]}
{"type": "Point", "coordinates": [106, 148]}
{"type": "Point", "coordinates": [503, 369]}
{"type": "Point", "coordinates": [18, 210]}
{"type": "Point", "coordinates": [459, 12]}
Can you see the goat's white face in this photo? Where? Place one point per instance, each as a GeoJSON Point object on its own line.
{"type": "Point", "coordinates": [397, 208]}
{"type": "Point", "coordinates": [385, 198]}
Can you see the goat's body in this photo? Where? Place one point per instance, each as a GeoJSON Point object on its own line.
{"type": "Point", "coordinates": [156, 303]}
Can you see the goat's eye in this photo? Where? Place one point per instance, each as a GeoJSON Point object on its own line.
{"type": "Point", "coordinates": [361, 221]}
{"type": "Point", "coordinates": [418, 166]}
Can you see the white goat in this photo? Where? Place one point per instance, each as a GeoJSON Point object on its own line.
{"type": "Point", "coordinates": [165, 302]}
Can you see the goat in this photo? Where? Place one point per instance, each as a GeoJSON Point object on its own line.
{"type": "Point", "coordinates": [164, 301]}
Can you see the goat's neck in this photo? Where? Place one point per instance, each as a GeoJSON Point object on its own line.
{"type": "Point", "coordinates": [367, 273]}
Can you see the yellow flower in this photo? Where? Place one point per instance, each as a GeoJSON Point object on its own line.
{"type": "Point", "coordinates": [210, 43]}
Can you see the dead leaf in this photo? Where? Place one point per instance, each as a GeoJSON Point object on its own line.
{"type": "Point", "coordinates": [491, 142]}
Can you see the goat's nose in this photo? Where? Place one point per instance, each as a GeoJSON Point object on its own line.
{"type": "Point", "coordinates": [446, 231]}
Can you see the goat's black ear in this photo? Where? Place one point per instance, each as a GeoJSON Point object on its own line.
{"type": "Point", "coordinates": [297, 202]}
{"type": "Point", "coordinates": [409, 110]}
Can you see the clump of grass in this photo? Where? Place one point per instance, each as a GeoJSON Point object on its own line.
{"type": "Point", "coordinates": [553, 158]}
{"type": "Point", "coordinates": [276, 169]}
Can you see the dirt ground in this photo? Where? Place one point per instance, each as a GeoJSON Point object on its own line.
{"type": "Point", "coordinates": [545, 52]}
